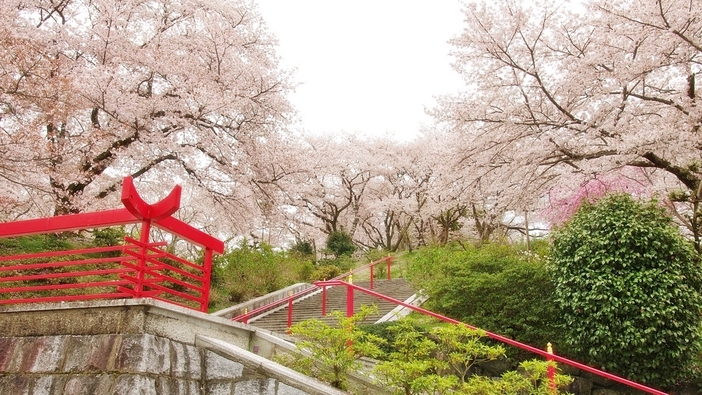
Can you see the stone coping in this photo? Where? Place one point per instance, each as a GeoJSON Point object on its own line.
{"type": "Point", "coordinates": [123, 316]}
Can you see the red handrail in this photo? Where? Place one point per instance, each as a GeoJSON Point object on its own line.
{"type": "Point", "coordinates": [549, 356]}
{"type": "Point", "coordinates": [247, 315]}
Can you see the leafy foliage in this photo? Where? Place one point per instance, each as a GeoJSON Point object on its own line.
{"type": "Point", "coordinates": [303, 247]}
{"type": "Point", "coordinates": [340, 243]}
{"type": "Point", "coordinates": [495, 287]}
{"type": "Point", "coordinates": [629, 288]}
{"type": "Point", "coordinates": [247, 272]}
{"type": "Point", "coordinates": [325, 272]}
{"type": "Point", "coordinates": [35, 243]}
{"type": "Point", "coordinates": [338, 348]}
{"type": "Point", "coordinates": [439, 362]}
{"type": "Point", "coordinates": [532, 379]}
{"type": "Point", "coordinates": [410, 367]}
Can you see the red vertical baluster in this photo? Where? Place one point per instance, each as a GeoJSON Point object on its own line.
{"type": "Point", "coordinates": [206, 276]}
{"type": "Point", "coordinates": [349, 301]}
{"type": "Point", "coordinates": [551, 370]}
{"type": "Point", "coordinates": [141, 264]}
{"type": "Point", "coordinates": [389, 263]}
{"type": "Point", "coordinates": [290, 308]}
{"type": "Point", "coordinates": [349, 312]}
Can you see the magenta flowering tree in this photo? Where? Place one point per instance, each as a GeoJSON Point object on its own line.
{"type": "Point", "coordinates": [564, 201]}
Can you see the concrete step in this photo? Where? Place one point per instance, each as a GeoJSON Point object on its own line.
{"type": "Point", "coordinates": [311, 307]}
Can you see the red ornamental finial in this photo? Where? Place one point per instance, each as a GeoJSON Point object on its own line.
{"type": "Point", "coordinates": [144, 211]}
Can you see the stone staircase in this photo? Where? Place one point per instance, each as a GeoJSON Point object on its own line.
{"type": "Point", "coordinates": [311, 305]}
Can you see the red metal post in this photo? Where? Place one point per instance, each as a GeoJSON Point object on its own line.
{"type": "Point", "coordinates": [206, 274]}
{"type": "Point", "coordinates": [290, 307]}
{"type": "Point", "coordinates": [324, 301]}
{"type": "Point", "coordinates": [349, 301]}
{"type": "Point", "coordinates": [141, 261]}
{"type": "Point", "coordinates": [371, 276]}
{"type": "Point", "coordinates": [551, 370]}
{"type": "Point", "coordinates": [349, 314]}
{"type": "Point", "coordinates": [389, 263]}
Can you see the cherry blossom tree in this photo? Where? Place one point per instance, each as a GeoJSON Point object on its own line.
{"type": "Point", "coordinates": [556, 92]}
{"type": "Point", "coordinates": [393, 197]}
{"type": "Point", "coordinates": [327, 185]}
{"type": "Point", "coordinates": [185, 91]}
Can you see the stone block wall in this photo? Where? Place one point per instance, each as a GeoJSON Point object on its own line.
{"type": "Point", "coordinates": [137, 346]}
{"type": "Point", "coordinates": [124, 364]}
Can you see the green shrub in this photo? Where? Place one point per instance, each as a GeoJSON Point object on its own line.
{"type": "Point", "coordinates": [340, 348]}
{"type": "Point", "coordinates": [247, 272]}
{"type": "Point", "coordinates": [441, 361]}
{"type": "Point", "coordinates": [325, 272]}
{"type": "Point", "coordinates": [112, 236]}
{"type": "Point", "coordinates": [495, 287]}
{"type": "Point", "coordinates": [306, 271]}
{"type": "Point", "coordinates": [385, 330]}
{"type": "Point", "coordinates": [629, 287]}
{"type": "Point", "coordinates": [303, 247]}
{"type": "Point", "coordinates": [340, 243]}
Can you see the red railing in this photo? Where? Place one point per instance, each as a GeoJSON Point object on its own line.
{"type": "Point", "coordinates": [139, 268]}
{"type": "Point", "coordinates": [547, 354]}
{"type": "Point", "coordinates": [291, 298]}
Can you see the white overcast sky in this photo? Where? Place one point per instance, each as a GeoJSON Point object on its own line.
{"type": "Point", "coordinates": [366, 66]}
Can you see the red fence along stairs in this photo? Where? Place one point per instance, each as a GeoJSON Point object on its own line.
{"type": "Point", "coordinates": [311, 306]}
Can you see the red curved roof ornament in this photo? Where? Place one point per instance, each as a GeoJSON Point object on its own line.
{"type": "Point", "coordinates": [135, 210]}
{"type": "Point", "coordinates": [140, 209]}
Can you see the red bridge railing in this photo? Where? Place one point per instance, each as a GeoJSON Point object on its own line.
{"type": "Point", "coordinates": [547, 354]}
{"type": "Point", "coordinates": [139, 268]}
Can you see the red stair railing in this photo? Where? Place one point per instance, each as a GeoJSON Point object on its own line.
{"type": "Point", "coordinates": [547, 354]}
{"type": "Point", "coordinates": [139, 268]}
{"type": "Point", "coordinates": [291, 298]}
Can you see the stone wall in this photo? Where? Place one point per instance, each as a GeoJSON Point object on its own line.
{"type": "Point", "coordinates": [124, 364]}
{"type": "Point", "coordinates": [135, 347]}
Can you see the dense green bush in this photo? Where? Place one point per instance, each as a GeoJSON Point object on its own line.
{"type": "Point", "coordinates": [495, 287]}
{"type": "Point", "coordinates": [629, 287]}
{"type": "Point", "coordinates": [385, 331]}
{"type": "Point", "coordinates": [325, 272]}
{"type": "Point", "coordinates": [340, 243]}
{"type": "Point", "coordinates": [112, 236]}
{"type": "Point", "coordinates": [303, 247]}
{"type": "Point", "coordinates": [338, 348]}
{"type": "Point", "coordinates": [247, 272]}
{"type": "Point", "coordinates": [344, 262]}
{"type": "Point", "coordinates": [441, 360]}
